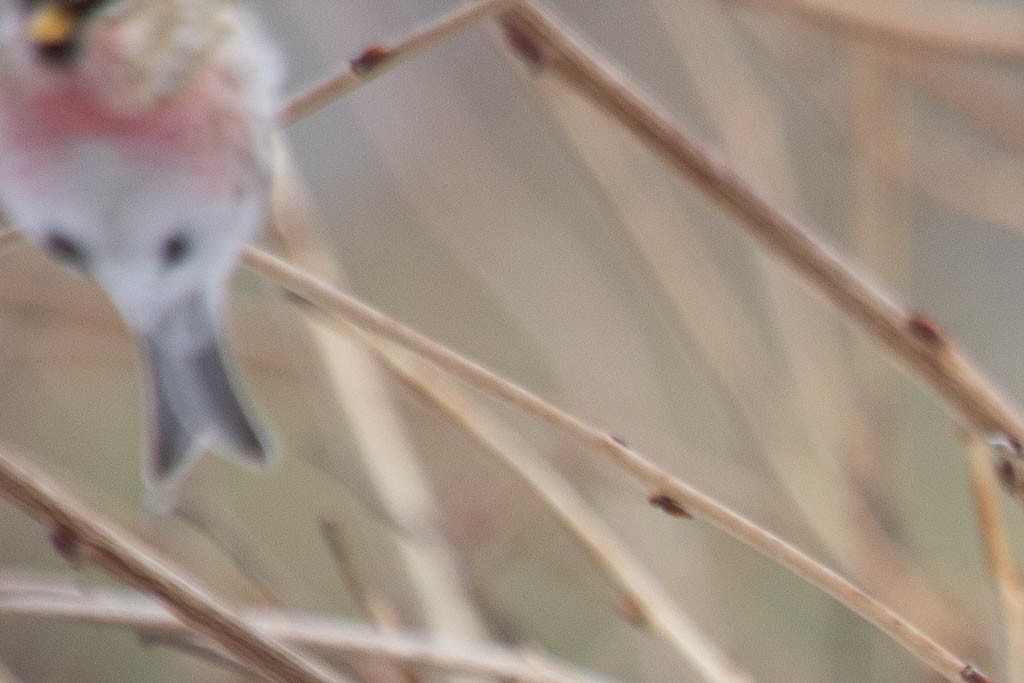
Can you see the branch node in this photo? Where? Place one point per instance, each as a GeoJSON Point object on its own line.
{"type": "Point", "coordinates": [926, 330]}
{"type": "Point", "coordinates": [370, 59]}
{"type": "Point", "coordinates": [631, 610]}
{"type": "Point", "coordinates": [1007, 473]}
{"type": "Point", "coordinates": [619, 439]}
{"type": "Point", "coordinates": [668, 505]}
{"type": "Point", "coordinates": [68, 544]}
{"type": "Point", "coordinates": [522, 44]}
{"type": "Point", "coordinates": [972, 675]}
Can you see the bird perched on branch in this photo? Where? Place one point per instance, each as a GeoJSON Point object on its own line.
{"type": "Point", "coordinates": [135, 148]}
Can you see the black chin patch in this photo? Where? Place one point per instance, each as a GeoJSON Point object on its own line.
{"type": "Point", "coordinates": [57, 54]}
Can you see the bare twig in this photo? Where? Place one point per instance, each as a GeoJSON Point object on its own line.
{"type": "Point", "coordinates": [187, 643]}
{"type": "Point", "coordinates": [378, 59]}
{"type": "Point", "coordinates": [80, 533]}
{"type": "Point", "coordinates": [356, 387]}
{"type": "Point", "coordinates": [50, 600]}
{"type": "Point", "coordinates": [910, 337]}
{"type": "Point", "coordinates": [221, 525]}
{"type": "Point", "coordinates": [646, 205]}
{"type": "Point", "coordinates": [669, 491]}
{"type": "Point", "coordinates": [939, 26]}
{"type": "Point", "coordinates": [1001, 564]}
{"type": "Point", "coordinates": [647, 597]}
{"type": "Point", "coordinates": [373, 603]}
{"type": "Point", "coordinates": [880, 240]}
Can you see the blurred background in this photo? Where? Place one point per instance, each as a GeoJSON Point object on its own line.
{"type": "Point", "coordinates": [491, 208]}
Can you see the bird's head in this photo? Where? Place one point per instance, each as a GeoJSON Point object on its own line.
{"type": "Point", "coordinates": [130, 53]}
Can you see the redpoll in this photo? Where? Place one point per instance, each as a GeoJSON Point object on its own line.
{"type": "Point", "coordinates": [135, 147]}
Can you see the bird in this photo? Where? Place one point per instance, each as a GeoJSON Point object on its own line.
{"type": "Point", "coordinates": [136, 142]}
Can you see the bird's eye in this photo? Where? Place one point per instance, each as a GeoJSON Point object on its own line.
{"type": "Point", "coordinates": [175, 249]}
{"type": "Point", "coordinates": [65, 249]}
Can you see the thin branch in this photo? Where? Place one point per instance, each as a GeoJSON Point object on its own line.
{"type": "Point", "coordinates": [940, 27]}
{"type": "Point", "coordinates": [804, 453]}
{"type": "Point", "coordinates": [653, 605]}
{"type": "Point", "coordinates": [373, 603]}
{"type": "Point", "coordinates": [667, 491]}
{"type": "Point", "coordinates": [188, 643]}
{"type": "Point", "coordinates": [910, 337]}
{"type": "Point", "coordinates": [389, 458]}
{"type": "Point", "coordinates": [329, 636]}
{"type": "Point", "coordinates": [221, 525]}
{"type": "Point", "coordinates": [83, 535]}
{"type": "Point", "coordinates": [378, 59]}
{"type": "Point", "coordinates": [998, 553]}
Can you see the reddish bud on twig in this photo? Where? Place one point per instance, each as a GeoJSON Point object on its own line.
{"type": "Point", "coordinates": [630, 609]}
{"type": "Point", "coordinates": [668, 505]}
{"type": "Point", "coordinates": [370, 58]}
{"type": "Point", "coordinates": [525, 47]}
{"type": "Point", "coordinates": [926, 329]}
{"type": "Point", "coordinates": [972, 675]}
{"type": "Point", "coordinates": [66, 543]}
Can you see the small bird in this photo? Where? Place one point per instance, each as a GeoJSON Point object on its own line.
{"type": "Point", "coordinates": [135, 148]}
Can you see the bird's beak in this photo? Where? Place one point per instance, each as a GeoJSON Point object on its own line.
{"type": "Point", "coordinates": [52, 25]}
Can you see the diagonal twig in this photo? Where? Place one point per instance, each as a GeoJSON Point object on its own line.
{"type": "Point", "coordinates": [646, 596]}
{"type": "Point", "coordinates": [82, 534]}
{"type": "Point", "coordinates": [47, 599]}
{"type": "Point", "coordinates": [670, 493]}
{"type": "Point", "coordinates": [995, 540]}
{"type": "Point", "coordinates": [912, 338]}
{"type": "Point", "coordinates": [378, 59]}
{"type": "Point", "coordinates": [938, 27]}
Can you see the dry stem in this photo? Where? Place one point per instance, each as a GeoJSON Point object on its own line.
{"type": "Point", "coordinates": [668, 489]}
{"type": "Point", "coordinates": [375, 605]}
{"type": "Point", "coordinates": [50, 600]}
{"type": "Point", "coordinates": [1005, 573]}
{"type": "Point", "coordinates": [82, 534]}
{"type": "Point", "coordinates": [653, 604]}
{"type": "Point", "coordinates": [938, 26]}
{"type": "Point", "coordinates": [378, 60]}
{"type": "Point", "coordinates": [357, 388]}
{"type": "Point", "coordinates": [910, 337]}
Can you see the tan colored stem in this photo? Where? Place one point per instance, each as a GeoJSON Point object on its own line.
{"type": "Point", "coordinates": [357, 389]}
{"type": "Point", "coordinates": [653, 604]}
{"type": "Point", "coordinates": [379, 59]}
{"type": "Point", "coordinates": [938, 26]}
{"type": "Point", "coordinates": [329, 636]}
{"type": "Point", "coordinates": [911, 338]}
{"type": "Point", "coordinates": [671, 492]}
{"type": "Point", "coordinates": [998, 553]}
{"type": "Point", "coordinates": [82, 534]}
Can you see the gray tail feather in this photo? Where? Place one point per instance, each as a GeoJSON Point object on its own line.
{"type": "Point", "coordinates": [192, 399]}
